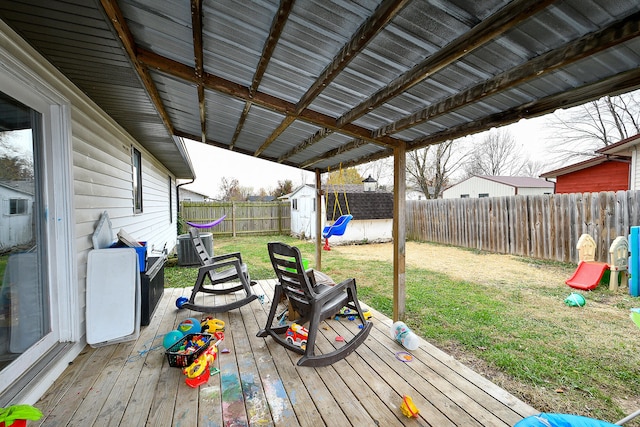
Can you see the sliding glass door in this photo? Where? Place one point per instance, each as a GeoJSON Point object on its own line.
{"type": "Point", "coordinates": [24, 289]}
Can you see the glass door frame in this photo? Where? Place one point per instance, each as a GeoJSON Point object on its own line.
{"type": "Point", "coordinates": [56, 208]}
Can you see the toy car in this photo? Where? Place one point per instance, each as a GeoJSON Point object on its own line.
{"type": "Point", "coordinates": [297, 335]}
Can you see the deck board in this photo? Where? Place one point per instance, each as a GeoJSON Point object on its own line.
{"type": "Point", "coordinates": [259, 383]}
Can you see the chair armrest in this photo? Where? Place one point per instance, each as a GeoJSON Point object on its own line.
{"type": "Point", "coordinates": [227, 256]}
{"type": "Point", "coordinates": [325, 292]}
{"type": "Point", "coordinates": [216, 265]}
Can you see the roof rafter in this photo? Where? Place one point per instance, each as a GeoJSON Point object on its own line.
{"type": "Point", "coordinates": [351, 145]}
{"type": "Point", "coordinates": [372, 26]}
{"type": "Point", "coordinates": [277, 25]}
{"type": "Point", "coordinates": [497, 24]}
{"type": "Point", "coordinates": [196, 28]}
{"type": "Point", "coordinates": [240, 125]}
{"type": "Point", "coordinates": [385, 12]}
{"type": "Point", "coordinates": [219, 84]}
{"type": "Point", "coordinates": [114, 13]}
{"type": "Point", "coordinates": [614, 85]}
{"type": "Point", "coordinates": [318, 136]}
{"type": "Point", "coordinates": [590, 44]}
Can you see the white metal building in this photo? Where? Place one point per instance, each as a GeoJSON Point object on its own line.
{"type": "Point", "coordinates": [496, 186]}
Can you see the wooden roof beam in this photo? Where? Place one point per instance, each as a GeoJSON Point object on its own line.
{"type": "Point", "coordinates": [382, 15]}
{"type": "Point", "coordinates": [385, 12]}
{"type": "Point", "coordinates": [616, 33]}
{"type": "Point", "coordinates": [352, 145]}
{"type": "Point", "coordinates": [116, 17]}
{"type": "Point", "coordinates": [277, 25]}
{"type": "Point", "coordinates": [196, 28]}
{"type": "Point", "coordinates": [318, 136]}
{"type": "Point", "coordinates": [620, 83]}
{"type": "Point", "coordinates": [219, 84]}
{"type": "Point", "coordinates": [497, 24]}
{"type": "Point", "coordinates": [240, 125]}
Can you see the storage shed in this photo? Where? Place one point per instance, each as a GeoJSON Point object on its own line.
{"type": "Point", "coordinates": [372, 212]}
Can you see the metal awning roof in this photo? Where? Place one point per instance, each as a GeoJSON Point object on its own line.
{"type": "Point", "coordinates": [319, 83]}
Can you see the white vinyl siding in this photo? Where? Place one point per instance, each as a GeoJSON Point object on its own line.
{"type": "Point", "coordinates": [475, 186]}
{"type": "Point", "coordinates": [100, 179]}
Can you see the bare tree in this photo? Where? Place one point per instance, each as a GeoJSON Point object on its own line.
{"type": "Point", "coordinates": [230, 189]}
{"type": "Point", "coordinates": [582, 130]}
{"type": "Point", "coordinates": [430, 169]}
{"type": "Point", "coordinates": [283, 187]}
{"type": "Point", "coordinates": [380, 170]}
{"type": "Point", "coordinates": [497, 154]}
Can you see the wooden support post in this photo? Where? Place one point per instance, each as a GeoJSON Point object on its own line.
{"type": "Point", "coordinates": [318, 221]}
{"type": "Point", "coordinates": [399, 231]}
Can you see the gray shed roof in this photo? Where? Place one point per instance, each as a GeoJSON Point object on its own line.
{"type": "Point", "coordinates": [319, 83]}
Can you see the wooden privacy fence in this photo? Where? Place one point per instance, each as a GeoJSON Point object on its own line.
{"type": "Point", "coordinates": [546, 226]}
{"type": "Point", "coordinates": [242, 218]}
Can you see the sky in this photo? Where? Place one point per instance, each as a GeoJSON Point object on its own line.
{"type": "Point", "coordinates": [211, 164]}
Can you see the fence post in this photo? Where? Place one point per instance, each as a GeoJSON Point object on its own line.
{"type": "Point", "coordinates": [233, 219]}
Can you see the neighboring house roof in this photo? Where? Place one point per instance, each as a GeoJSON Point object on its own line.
{"type": "Point", "coordinates": [26, 186]}
{"type": "Point", "coordinates": [261, 198]}
{"type": "Point", "coordinates": [513, 181]}
{"type": "Point", "coordinates": [351, 188]}
{"type": "Point", "coordinates": [316, 87]}
{"type": "Point", "coordinates": [297, 190]}
{"type": "Point", "coordinates": [621, 147]}
{"type": "Point", "coordinates": [362, 205]}
{"type": "Point", "coordinates": [586, 164]}
{"type": "Point", "coordinates": [186, 192]}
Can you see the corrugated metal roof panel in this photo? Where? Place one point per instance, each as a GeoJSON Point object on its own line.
{"type": "Point", "coordinates": [353, 54]}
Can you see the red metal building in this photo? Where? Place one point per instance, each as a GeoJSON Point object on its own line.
{"type": "Point", "coordinates": [602, 173]}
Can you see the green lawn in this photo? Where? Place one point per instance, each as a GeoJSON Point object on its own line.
{"type": "Point", "coordinates": [543, 361]}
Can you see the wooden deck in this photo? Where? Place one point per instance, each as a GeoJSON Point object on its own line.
{"type": "Point", "coordinates": [132, 384]}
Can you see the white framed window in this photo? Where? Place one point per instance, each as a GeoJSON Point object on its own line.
{"type": "Point", "coordinates": [136, 160]}
{"type": "Point", "coordinates": [483, 195]}
{"type": "Point", "coordinates": [18, 206]}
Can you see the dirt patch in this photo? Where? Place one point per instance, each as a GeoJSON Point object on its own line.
{"type": "Point", "coordinates": [464, 264]}
{"type": "Point", "coordinates": [540, 292]}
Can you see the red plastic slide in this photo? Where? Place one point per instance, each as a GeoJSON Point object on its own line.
{"type": "Point", "coordinates": [587, 275]}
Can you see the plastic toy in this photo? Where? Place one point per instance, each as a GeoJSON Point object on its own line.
{"type": "Point", "coordinates": [352, 314]}
{"type": "Point", "coordinates": [211, 325]}
{"type": "Point", "coordinates": [297, 335]}
{"type": "Point", "coordinates": [199, 372]}
{"type": "Point", "coordinates": [170, 338]}
{"type": "Point", "coordinates": [587, 276]}
{"type": "Point", "coordinates": [589, 272]}
{"type": "Point", "coordinates": [401, 333]}
{"type": "Point", "coordinates": [181, 301]}
{"type": "Point", "coordinates": [408, 408]}
{"type": "Point", "coordinates": [336, 229]}
{"type": "Point", "coordinates": [189, 326]}
{"type": "Point", "coordinates": [575, 300]}
{"type": "Point", "coordinates": [561, 420]}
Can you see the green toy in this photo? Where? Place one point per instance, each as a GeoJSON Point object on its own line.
{"type": "Point", "coordinates": [575, 300]}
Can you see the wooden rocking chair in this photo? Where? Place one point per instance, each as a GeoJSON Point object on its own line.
{"type": "Point", "coordinates": [313, 302]}
{"type": "Point", "coordinates": [214, 273]}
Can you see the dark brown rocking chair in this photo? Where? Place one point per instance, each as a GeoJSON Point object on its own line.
{"type": "Point", "coordinates": [313, 302]}
{"type": "Point", "coordinates": [214, 273]}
